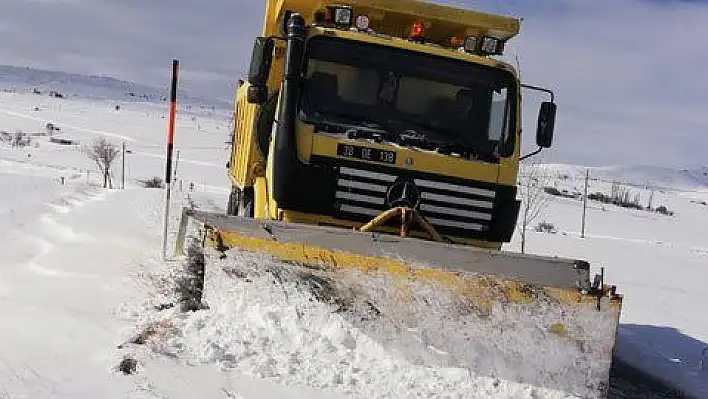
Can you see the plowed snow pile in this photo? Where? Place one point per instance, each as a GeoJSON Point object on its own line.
{"type": "Point", "coordinates": [263, 324]}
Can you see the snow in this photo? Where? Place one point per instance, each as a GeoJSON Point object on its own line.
{"type": "Point", "coordinates": [658, 262]}
{"type": "Point", "coordinates": [268, 323]}
{"type": "Point", "coordinates": [277, 332]}
{"type": "Point", "coordinates": [81, 275]}
{"type": "Point", "coordinates": [55, 265]}
{"type": "Point", "coordinates": [651, 176]}
{"type": "Point", "coordinates": [92, 87]}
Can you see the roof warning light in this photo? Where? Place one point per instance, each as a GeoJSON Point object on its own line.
{"type": "Point", "coordinates": [417, 31]}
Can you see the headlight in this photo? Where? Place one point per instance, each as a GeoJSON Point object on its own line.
{"type": "Point", "coordinates": [470, 45]}
{"type": "Point", "coordinates": [492, 45]}
{"type": "Point", "coordinates": [342, 16]}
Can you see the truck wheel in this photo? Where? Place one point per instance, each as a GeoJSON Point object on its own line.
{"type": "Point", "coordinates": [264, 124]}
{"type": "Point", "coordinates": [232, 206]}
{"type": "Point", "coordinates": [245, 203]}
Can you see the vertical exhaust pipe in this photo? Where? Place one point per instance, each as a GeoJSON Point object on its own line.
{"type": "Point", "coordinates": [285, 163]}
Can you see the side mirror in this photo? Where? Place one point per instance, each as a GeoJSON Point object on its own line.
{"type": "Point", "coordinates": [257, 94]}
{"type": "Point", "coordinates": [546, 124]}
{"type": "Point", "coordinates": [284, 22]}
{"type": "Point", "coordinates": [261, 60]}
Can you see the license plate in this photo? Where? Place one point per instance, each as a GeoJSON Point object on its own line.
{"type": "Point", "coordinates": [366, 153]}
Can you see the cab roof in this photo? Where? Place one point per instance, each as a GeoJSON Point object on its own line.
{"type": "Point", "coordinates": [395, 18]}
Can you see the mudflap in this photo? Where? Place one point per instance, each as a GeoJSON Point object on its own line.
{"type": "Point", "coordinates": [523, 318]}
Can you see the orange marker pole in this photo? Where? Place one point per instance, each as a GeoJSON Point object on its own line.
{"type": "Point", "coordinates": [170, 145]}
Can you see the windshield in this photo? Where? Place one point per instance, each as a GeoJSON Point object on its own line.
{"type": "Point", "coordinates": [429, 101]}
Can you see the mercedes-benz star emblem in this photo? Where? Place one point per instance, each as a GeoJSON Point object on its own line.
{"type": "Point", "coordinates": [403, 193]}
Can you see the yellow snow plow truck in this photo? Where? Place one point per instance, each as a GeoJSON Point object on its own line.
{"type": "Point", "coordinates": [376, 150]}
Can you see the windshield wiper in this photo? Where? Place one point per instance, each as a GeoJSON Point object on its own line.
{"type": "Point", "coordinates": [355, 128]}
{"type": "Point", "coordinates": [422, 137]}
{"type": "Point", "coordinates": [474, 152]}
{"type": "Point", "coordinates": [378, 135]}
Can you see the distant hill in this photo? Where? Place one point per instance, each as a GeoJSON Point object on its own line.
{"type": "Point", "coordinates": [653, 176]}
{"type": "Point", "coordinates": [22, 79]}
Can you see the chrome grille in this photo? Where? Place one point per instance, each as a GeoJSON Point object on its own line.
{"type": "Point", "coordinates": [361, 194]}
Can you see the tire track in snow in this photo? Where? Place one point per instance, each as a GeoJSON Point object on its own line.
{"type": "Point", "coordinates": [26, 377]}
{"type": "Point", "coordinates": [642, 241]}
{"type": "Point", "coordinates": [41, 234]}
{"type": "Point", "coordinates": [51, 233]}
{"type": "Point", "coordinates": [82, 129]}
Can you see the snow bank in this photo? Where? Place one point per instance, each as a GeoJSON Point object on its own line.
{"type": "Point", "coordinates": [263, 324]}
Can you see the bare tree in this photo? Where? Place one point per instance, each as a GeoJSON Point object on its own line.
{"type": "Point", "coordinates": [50, 129]}
{"type": "Point", "coordinates": [103, 153]}
{"type": "Point", "coordinates": [20, 139]}
{"type": "Point", "coordinates": [533, 199]}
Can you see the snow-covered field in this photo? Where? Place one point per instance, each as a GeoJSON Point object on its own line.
{"type": "Point", "coordinates": [81, 275]}
{"type": "Point", "coordinates": [658, 262]}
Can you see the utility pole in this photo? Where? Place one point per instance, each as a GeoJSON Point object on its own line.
{"type": "Point", "coordinates": [122, 174]}
{"type": "Point", "coordinates": [585, 202]}
{"type": "Point", "coordinates": [651, 199]}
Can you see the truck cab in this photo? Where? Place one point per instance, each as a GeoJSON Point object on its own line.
{"type": "Point", "coordinates": [356, 107]}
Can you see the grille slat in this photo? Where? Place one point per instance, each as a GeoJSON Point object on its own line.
{"type": "Point", "coordinates": [442, 187]}
{"type": "Point", "coordinates": [455, 202]}
{"type": "Point", "coordinates": [425, 208]}
{"type": "Point", "coordinates": [385, 177]}
{"type": "Point", "coordinates": [342, 195]}
{"type": "Point", "coordinates": [362, 185]}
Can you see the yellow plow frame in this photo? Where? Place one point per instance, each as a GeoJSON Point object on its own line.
{"type": "Point", "coordinates": [558, 327]}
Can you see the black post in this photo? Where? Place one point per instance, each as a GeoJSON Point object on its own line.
{"type": "Point", "coordinates": [122, 174]}
{"type": "Point", "coordinates": [174, 177]}
{"type": "Point", "coordinates": [171, 126]}
{"type": "Point", "coordinates": [585, 201]}
{"type": "Point", "coordinates": [170, 142]}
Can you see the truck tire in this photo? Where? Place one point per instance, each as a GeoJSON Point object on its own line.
{"type": "Point", "coordinates": [264, 123]}
{"type": "Point", "coordinates": [240, 202]}
{"type": "Point", "coordinates": [232, 206]}
{"type": "Point", "coordinates": [246, 203]}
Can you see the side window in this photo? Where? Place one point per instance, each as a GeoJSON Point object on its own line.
{"type": "Point", "coordinates": [499, 115]}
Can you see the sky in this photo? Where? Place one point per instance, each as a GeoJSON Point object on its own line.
{"type": "Point", "coordinates": [629, 75]}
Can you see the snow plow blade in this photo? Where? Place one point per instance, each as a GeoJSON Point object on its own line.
{"type": "Point", "coordinates": [530, 319]}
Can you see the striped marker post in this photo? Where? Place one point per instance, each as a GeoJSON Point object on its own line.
{"type": "Point", "coordinates": [170, 145]}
